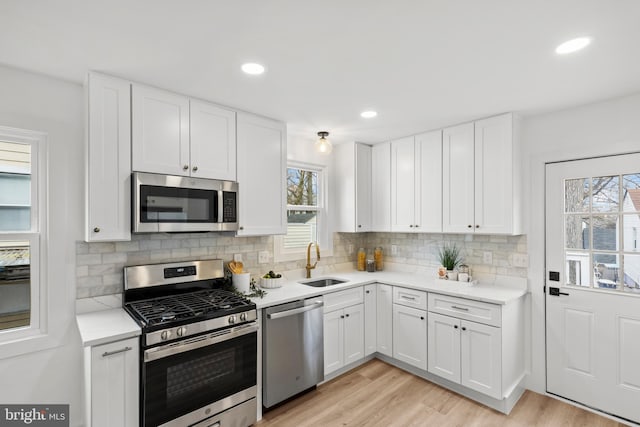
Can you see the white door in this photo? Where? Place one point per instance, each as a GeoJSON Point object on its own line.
{"type": "Point", "coordinates": [363, 187]}
{"type": "Point", "coordinates": [593, 283]}
{"type": "Point", "coordinates": [370, 326]}
{"type": "Point", "coordinates": [353, 333]}
{"type": "Point", "coordinates": [381, 187]}
{"type": "Point", "coordinates": [458, 179]}
{"type": "Point", "coordinates": [444, 346]}
{"type": "Point", "coordinates": [213, 141]}
{"type": "Point", "coordinates": [429, 182]}
{"type": "Point", "coordinates": [481, 358]}
{"type": "Point", "coordinates": [384, 330]}
{"type": "Point", "coordinates": [410, 335]}
{"type": "Point", "coordinates": [333, 341]}
{"type": "Point", "coordinates": [403, 184]}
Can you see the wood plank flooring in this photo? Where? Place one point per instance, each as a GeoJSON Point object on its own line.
{"type": "Point", "coordinates": [378, 394]}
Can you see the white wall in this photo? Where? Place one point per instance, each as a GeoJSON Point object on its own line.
{"type": "Point", "coordinates": [609, 127]}
{"type": "Point", "coordinates": [35, 102]}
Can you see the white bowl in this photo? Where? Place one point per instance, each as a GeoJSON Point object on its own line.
{"type": "Point", "coordinates": [271, 283]}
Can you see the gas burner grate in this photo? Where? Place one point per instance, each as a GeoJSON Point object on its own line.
{"type": "Point", "coordinates": [185, 306]}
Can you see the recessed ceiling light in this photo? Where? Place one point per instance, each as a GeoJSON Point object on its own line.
{"type": "Point", "coordinates": [253, 68]}
{"type": "Point", "coordinates": [573, 45]}
{"type": "Point", "coordinates": [368, 114]}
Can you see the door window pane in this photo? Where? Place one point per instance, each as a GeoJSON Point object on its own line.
{"type": "Point", "coordinates": [577, 231]}
{"type": "Point", "coordinates": [631, 278]}
{"type": "Point", "coordinates": [631, 192]}
{"type": "Point", "coordinates": [631, 225]}
{"type": "Point", "coordinates": [606, 270]}
{"type": "Point", "coordinates": [15, 285]}
{"type": "Point", "coordinates": [577, 268]}
{"type": "Point", "coordinates": [576, 195]}
{"type": "Point", "coordinates": [605, 232]}
{"type": "Point", "coordinates": [606, 193]}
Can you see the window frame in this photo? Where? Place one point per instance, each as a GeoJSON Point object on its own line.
{"type": "Point", "coordinates": [41, 333]}
{"type": "Point", "coordinates": [280, 253]}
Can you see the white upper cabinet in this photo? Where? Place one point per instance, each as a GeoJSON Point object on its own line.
{"type": "Point", "coordinates": [416, 183]}
{"type": "Point", "coordinates": [213, 141]}
{"type": "Point", "coordinates": [177, 136]}
{"type": "Point", "coordinates": [160, 131]}
{"type": "Point", "coordinates": [262, 163]}
{"type": "Point", "coordinates": [481, 183]}
{"type": "Point", "coordinates": [108, 172]}
{"type": "Point", "coordinates": [352, 187]}
{"type": "Point", "coordinates": [381, 187]}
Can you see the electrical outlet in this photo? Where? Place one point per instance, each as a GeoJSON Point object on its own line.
{"type": "Point", "coordinates": [487, 257]}
{"type": "Point", "coordinates": [263, 257]}
{"type": "Point", "coordinates": [237, 257]}
{"type": "Point", "coordinates": [520, 260]}
{"type": "Point", "coordinates": [394, 250]}
{"type": "Point", "coordinates": [350, 249]}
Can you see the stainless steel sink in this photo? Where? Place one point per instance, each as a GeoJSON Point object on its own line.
{"type": "Point", "coordinates": [321, 283]}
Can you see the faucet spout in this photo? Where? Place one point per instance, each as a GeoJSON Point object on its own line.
{"type": "Point", "coordinates": [310, 267]}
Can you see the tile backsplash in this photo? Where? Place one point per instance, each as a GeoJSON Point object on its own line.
{"type": "Point", "coordinates": [99, 266]}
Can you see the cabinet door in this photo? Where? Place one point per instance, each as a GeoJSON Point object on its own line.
{"type": "Point", "coordinates": [458, 179]}
{"type": "Point", "coordinates": [429, 182]}
{"type": "Point", "coordinates": [410, 336]}
{"type": "Point", "coordinates": [108, 191]}
{"type": "Point", "coordinates": [481, 358]}
{"type": "Point", "coordinates": [370, 324]}
{"type": "Point", "coordinates": [114, 384]}
{"type": "Point", "coordinates": [353, 333]}
{"type": "Point", "coordinates": [403, 185]}
{"type": "Point", "coordinates": [262, 157]}
{"type": "Point", "coordinates": [333, 341]}
{"type": "Point", "coordinates": [384, 310]}
{"type": "Point", "coordinates": [160, 131]}
{"type": "Point", "coordinates": [444, 346]}
{"type": "Point", "coordinates": [381, 187]}
{"type": "Point", "coordinates": [494, 175]}
{"type": "Point", "coordinates": [363, 187]}
{"type": "Point", "coordinates": [213, 141]}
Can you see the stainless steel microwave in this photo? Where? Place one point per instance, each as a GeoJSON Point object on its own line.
{"type": "Point", "coordinates": [166, 203]}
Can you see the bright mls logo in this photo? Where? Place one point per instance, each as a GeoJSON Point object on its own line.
{"type": "Point", "coordinates": [34, 415]}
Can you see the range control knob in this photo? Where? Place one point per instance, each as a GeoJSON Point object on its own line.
{"type": "Point", "coordinates": [232, 319]}
{"type": "Point", "coordinates": [165, 335]}
{"type": "Point", "coordinates": [243, 317]}
{"type": "Point", "coordinates": [181, 331]}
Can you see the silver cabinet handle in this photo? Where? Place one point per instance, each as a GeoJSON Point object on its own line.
{"type": "Point", "coordinates": [111, 353]}
{"type": "Point", "coordinates": [409, 298]}
{"type": "Point", "coordinates": [287, 313]}
{"type": "Point", "coordinates": [459, 308]}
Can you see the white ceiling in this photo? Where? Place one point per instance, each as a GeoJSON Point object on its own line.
{"type": "Point", "coordinates": [421, 64]}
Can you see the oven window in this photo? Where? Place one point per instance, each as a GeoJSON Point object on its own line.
{"type": "Point", "coordinates": [184, 382]}
{"type": "Point", "coordinates": [170, 204]}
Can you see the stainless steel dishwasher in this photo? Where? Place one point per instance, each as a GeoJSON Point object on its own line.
{"type": "Point", "coordinates": [292, 349]}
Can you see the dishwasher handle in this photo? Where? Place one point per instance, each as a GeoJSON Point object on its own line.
{"type": "Point", "coordinates": [292, 312]}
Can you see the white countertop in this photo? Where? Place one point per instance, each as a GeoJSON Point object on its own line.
{"type": "Point", "coordinates": [292, 290]}
{"type": "Point", "coordinates": [104, 326]}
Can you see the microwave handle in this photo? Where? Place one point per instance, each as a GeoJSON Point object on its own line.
{"type": "Point", "coordinates": [220, 206]}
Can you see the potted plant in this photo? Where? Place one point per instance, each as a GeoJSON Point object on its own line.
{"type": "Point", "coordinates": [450, 257]}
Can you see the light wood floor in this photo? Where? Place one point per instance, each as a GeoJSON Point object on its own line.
{"type": "Point", "coordinates": [378, 394]}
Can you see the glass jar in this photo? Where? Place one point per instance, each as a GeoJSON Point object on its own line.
{"type": "Point", "coordinates": [362, 260]}
{"type": "Point", "coordinates": [378, 258]}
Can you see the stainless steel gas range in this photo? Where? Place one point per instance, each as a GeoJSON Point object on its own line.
{"type": "Point", "coordinates": [198, 346]}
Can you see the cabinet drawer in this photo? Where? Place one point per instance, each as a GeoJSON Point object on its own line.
{"type": "Point", "coordinates": [337, 300]}
{"type": "Point", "coordinates": [410, 297]}
{"type": "Point", "coordinates": [477, 311]}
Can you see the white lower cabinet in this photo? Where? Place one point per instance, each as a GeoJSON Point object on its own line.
{"type": "Point", "coordinates": [112, 388]}
{"type": "Point", "coordinates": [370, 321]}
{"type": "Point", "coordinates": [410, 335]}
{"type": "Point", "coordinates": [486, 357]}
{"type": "Point", "coordinates": [384, 320]}
{"type": "Point", "coordinates": [343, 334]}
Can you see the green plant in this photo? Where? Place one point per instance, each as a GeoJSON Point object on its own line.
{"type": "Point", "coordinates": [449, 256]}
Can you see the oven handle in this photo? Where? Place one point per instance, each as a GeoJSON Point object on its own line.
{"type": "Point", "coordinates": [291, 312]}
{"type": "Point", "coordinates": [198, 342]}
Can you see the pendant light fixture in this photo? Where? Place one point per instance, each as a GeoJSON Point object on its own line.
{"type": "Point", "coordinates": [322, 144]}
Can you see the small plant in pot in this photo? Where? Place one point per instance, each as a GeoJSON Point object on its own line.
{"type": "Point", "coordinates": [450, 257]}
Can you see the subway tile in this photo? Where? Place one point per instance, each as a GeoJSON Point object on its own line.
{"type": "Point", "coordinates": [101, 248]}
{"type": "Point", "coordinates": [127, 246]}
{"type": "Point", "coordinates": [88, 259]}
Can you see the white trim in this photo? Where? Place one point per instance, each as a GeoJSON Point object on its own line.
{"type": "Point", "coordinates": [325, 242]}
{"type": "Point", "coordinates": [39, 335]}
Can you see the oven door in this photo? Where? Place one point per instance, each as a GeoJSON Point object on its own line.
{"type": "Point", "coordinates": [189, 380]}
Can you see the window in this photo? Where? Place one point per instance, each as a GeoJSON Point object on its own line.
{"type": "Point", "coordinates": [306, 213]}
{"type": "Point", "coordinates": [22, 166]}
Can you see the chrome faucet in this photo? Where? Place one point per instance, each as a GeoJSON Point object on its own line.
{"type": "Point", "coordinates": [310, 267]}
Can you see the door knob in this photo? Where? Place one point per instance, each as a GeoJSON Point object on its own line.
{"type": "Point", "coordinates": [185, 167]}
{"type": "Point", "coordinates": [96, 230]}
{"type": "Point", "coordinates": [195, 169]}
